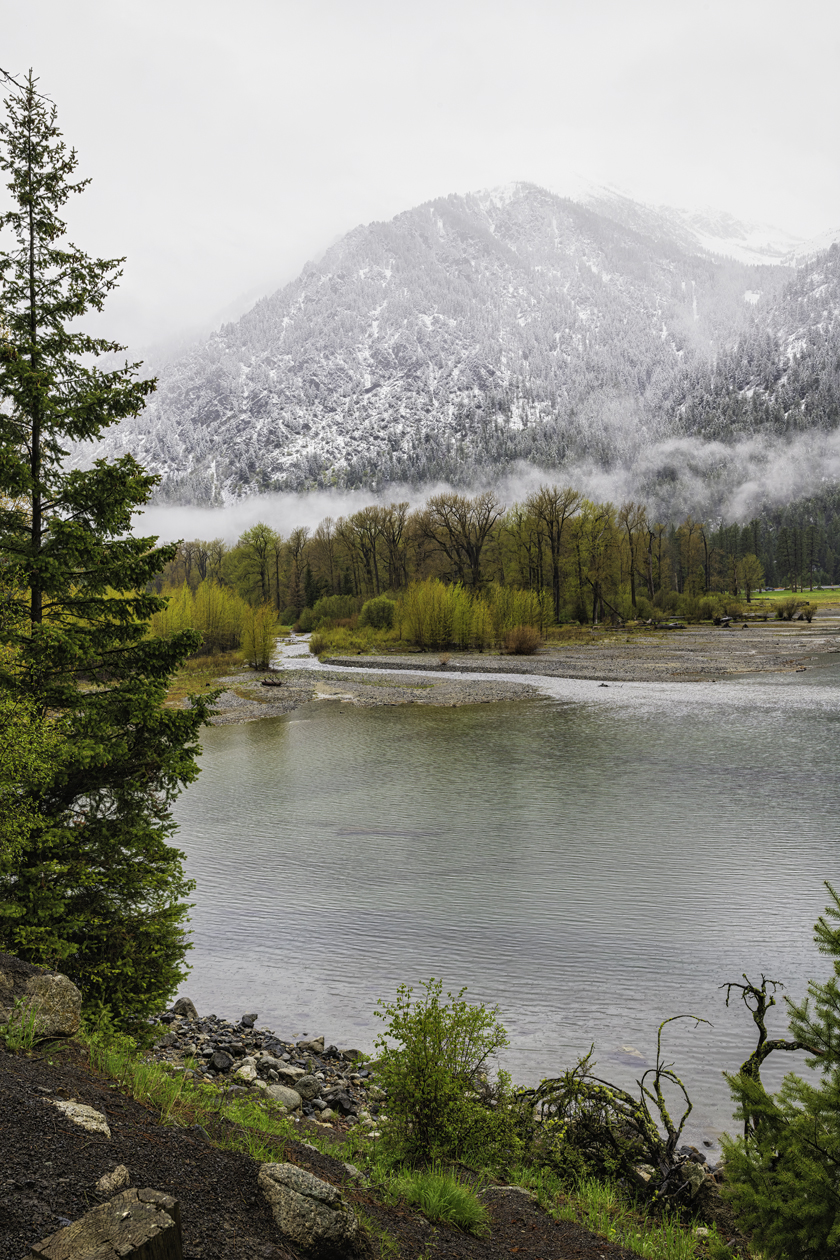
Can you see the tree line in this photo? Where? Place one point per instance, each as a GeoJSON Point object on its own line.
{"type": "Point", "coordinates": [593, 561]}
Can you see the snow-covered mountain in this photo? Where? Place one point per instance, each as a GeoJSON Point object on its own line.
{"type": "Point", "coordinates": [475, 331]}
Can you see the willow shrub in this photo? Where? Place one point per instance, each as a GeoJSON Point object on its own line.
{"type": "Point", "coordinates": [437, 616]}
{"type": "Point", "coordinates": [259, 633]}
{"type": "Point", "coordinates": [217, 612]}
{"type": "Point", "coordinates": [511, 607]}
{"type": "Point", "coordinates": [433, 1059]}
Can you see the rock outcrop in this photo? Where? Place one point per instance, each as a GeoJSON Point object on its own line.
{"type": "Point", "coordinates": [34, 993]}
{"type": "Point", "coordinates": [310, 1212]}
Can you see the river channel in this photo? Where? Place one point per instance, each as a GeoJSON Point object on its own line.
{"type": "Point", "coordinates": [593, 860]}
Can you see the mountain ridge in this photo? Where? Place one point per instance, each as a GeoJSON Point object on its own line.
{"type": "Point", "coordinates": [476, 331]}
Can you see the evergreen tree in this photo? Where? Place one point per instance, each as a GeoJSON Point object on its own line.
{"type": "Point", "coordinates": [783, 1177]}
{"type": "Point", "coordinates": [95, 887]}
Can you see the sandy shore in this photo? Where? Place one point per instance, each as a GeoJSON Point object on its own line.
{"type": "Point", "coordinates": [696, 654]}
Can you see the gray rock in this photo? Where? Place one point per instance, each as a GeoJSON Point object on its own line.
{"type": "Point", "coordinates": [113, 1181]}
{"type": "Point", "coordinates": [310, 1212]}
{"type": "Point", "coordinates": [694, 1175]}
{"type": "Point", "coordinates": [136, 1225]}
{"type": "Point", "coordinates": [221, 1060]}
{"type": "Point", "coordinates": [290, 1098]}
{"type": "Point", "coordinates": [185, 1008]}
{"type": "Point", "coordinates": [248, 1021]}
{"type": "Point", "coordinates": [48, 998]}
{"type": "Point", "coordinates": [288, 1074]}
{"type": "Point", "coordinates": [86, 1117]}
{"type": "Point", "coordinates": [341, 1102]}
{"type": "Point", "coordinates": [315, 1046]}
{"type": "Point", "coordinates": [308, 1087]}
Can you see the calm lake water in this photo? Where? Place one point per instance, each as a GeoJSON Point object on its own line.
{"type": "Point", "coordinates": [593, 861]}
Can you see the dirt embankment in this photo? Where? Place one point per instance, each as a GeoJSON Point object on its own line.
{"type": "Point", "coordinates": [51, 1166]}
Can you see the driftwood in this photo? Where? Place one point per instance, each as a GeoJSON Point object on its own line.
{"type": "Point", "coordinates": [136, 1225]}
{"type": "Point", "coordinates": [604, 1121]}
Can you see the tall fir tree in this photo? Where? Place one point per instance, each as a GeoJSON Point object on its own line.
{"type": "Point", "coordinates": [96, 887]}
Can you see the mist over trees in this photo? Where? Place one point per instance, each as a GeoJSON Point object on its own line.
{"type": "Point", "coordinates": [585, 560]}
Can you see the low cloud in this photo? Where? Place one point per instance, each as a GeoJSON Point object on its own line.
{"type": "Point", "coordinates": [675, 477]}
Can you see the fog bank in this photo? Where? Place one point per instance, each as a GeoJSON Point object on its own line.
{"type": "Point", "coordinates": [675, 477]}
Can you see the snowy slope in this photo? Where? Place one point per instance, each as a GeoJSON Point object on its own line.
{"type": "Point", "coordinates": [461, 336]}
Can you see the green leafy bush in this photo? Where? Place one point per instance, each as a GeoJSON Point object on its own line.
{"type": "Point", "coordinates": [440, 1105]}
{"type": "Point", "coordinates": [307, 621]}
{"type": "Point", "coordinates": [378, 613]}
{"type": "Point", "coordinates": [335, 607]}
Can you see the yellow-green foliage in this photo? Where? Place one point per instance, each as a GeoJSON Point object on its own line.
{"type": "Point", "coordinates": [259, 632]}
{"type": "Point", "coordinates": [511, 607]}
{"type": "Point", "coordinates": [341, 639]}
{"type": "Point", "coordinates": [216, 611]}
{"type": "Point", "coordinates": [432, 614]}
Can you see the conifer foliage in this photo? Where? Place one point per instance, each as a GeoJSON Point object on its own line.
{"type": "Point", "coordinates": [96, 887]}
{"type": "Point", "coordinates": [783, 1177]}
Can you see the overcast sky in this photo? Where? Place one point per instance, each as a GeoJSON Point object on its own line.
{"type": "Point", "coordinates": [229, 142]}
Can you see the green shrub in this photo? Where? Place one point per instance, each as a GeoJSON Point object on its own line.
{"type": "Point", "coordinates": [439, 1103]}
{"type": "Point", "coordinates": [317, 644]}
{"type": "Point", "coordinates": [335, 607]}
{"type": "Point", "coordinates": [378, 613]}
{"type": "Point", "coordinates": [306, 621]}
{"type": "Point", "coordinates": [288, 616]}
{"type": "Point", "coordinates": [786, 609]}
{"type": "Point", "coordinates": [442, 1197]}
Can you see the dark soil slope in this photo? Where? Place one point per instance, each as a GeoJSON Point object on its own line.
{"type": "Point", "coordinates": [49, 1168]}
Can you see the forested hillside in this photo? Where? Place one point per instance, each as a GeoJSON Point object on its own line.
{"type": "Point", "coordinates": [474, 332]}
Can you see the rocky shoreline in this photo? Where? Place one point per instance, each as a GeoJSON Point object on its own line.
{"type": "Point", "coordinates": [305, 1078]}
{"type": "Point", "coordinates": [689, 654]}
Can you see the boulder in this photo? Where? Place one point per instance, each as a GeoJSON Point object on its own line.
{"type": "Point", "coordinates": [248, 1021]}
{"type": "Point", "coordinates": [85, 1117]}
{"type": "Point", "coordinates": [308, 1087]}
{"type": "Point", "coordinates": [28, 992]}
{"type": "Point", "coordinates": [310, 1212]}
{"type": "Point", "coordinates": [113, 1181]}
{"type": "Point", "coordinates": [136, 1225]}
{"type": "Point", "coordinates": [288, 1075]}
{"type": "Point", "coordinates": [247, 1073]}
{"type": "Point", "coordinates": [315, 1046]}
{"type": "Point", "coordinates": [185, 1008]}
{"type": "Point", "coordinates": [290, 1098]}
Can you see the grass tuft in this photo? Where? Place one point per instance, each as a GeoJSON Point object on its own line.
{"type": "Point", "coordinates": [442, 1197]}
